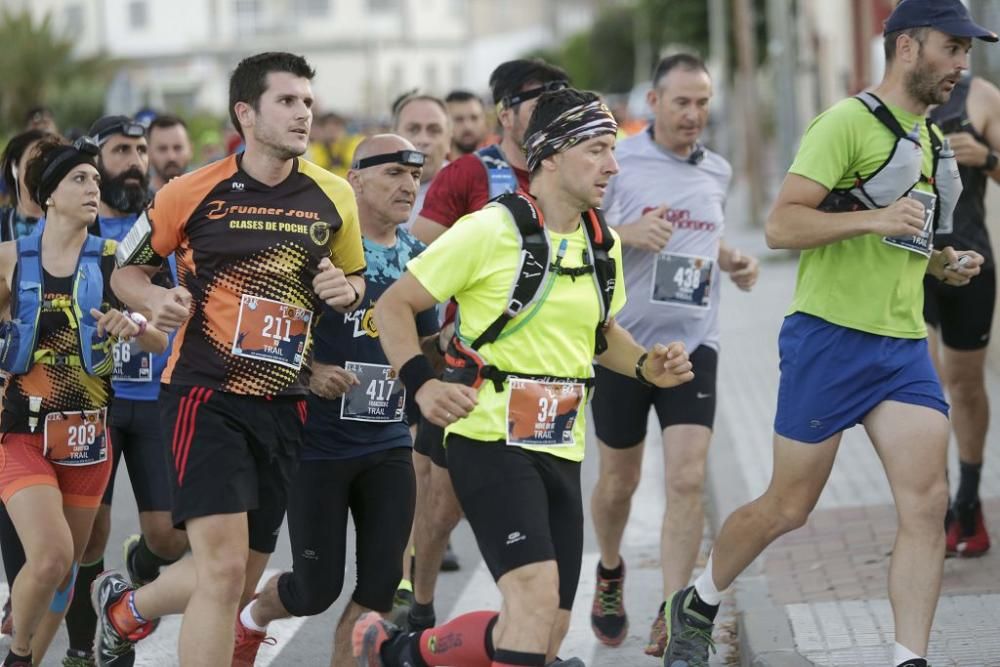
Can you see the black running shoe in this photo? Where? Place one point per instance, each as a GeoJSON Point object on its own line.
{"type": "Point", "coordinates": [608, 619]}
{"type": "Point", "coordinates": [111, 649]}
{"type": "Point", "coordinates": [916, 662]}
{"type": "Point", "coordinates": [689, 634]}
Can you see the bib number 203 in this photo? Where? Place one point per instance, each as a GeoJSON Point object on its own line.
{"type": "Point", "coordinates": [82, 435]}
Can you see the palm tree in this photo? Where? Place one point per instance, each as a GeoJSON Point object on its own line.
{"type": "Point", "coordinates": [38, 67]}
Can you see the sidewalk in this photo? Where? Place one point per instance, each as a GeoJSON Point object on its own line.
{"type": "Point", "coordinates": [818, 595]}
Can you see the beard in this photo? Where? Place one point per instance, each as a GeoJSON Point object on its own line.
{"type": "Point", "coordinates": [170, 170]}
{"type": "Point", "coordinates": [275, 146]}
{"type": "Point", "coordinates": [467, 143]}
{"type": "Point", "coordinates": [924, 85]}
{"type": "Point", "coordinates": [122, 196]}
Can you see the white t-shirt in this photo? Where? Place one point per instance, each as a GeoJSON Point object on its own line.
{"type": "Point", "coordinates": [650, 176]}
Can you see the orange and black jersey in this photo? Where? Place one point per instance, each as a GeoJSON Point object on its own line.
{"type": "Point", "coordinates": [63, 387]}
{"type": "Point", "coordinates": [247, 253]}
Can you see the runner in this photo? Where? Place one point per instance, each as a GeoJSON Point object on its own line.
{"type": "Point", "coordinates": [262, 239]}
{"type": "Point", "coordinates": [56, 350]}
{"type": "Point", "coordinates": [512, 407]}
{"type": "Point", "coordinates": [464, 186]}
{"type": "Point", "coordinates": [468, 122]}
{"type": "Point", "coordinates": [669, 198]}
{"type": "Point", "coordinates": [961, 319]}
{"type": "Point", "coordinates": [133, 416]}
{"type": "Point", "coordinates": [356, 453]}
{"type": "Point", "coordinates": [423, 120]}
{"type": "Point", "coordinates": [20, 217]}
{"type": "Point", "coordinates": [169, 149]}
{"type": "Point", "coordinates": [871, 177]}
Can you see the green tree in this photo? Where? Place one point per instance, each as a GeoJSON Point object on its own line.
{"type": "Point", "coordinates": [604, 57]}
{"type": "Point", "coordinates": [38, 67]}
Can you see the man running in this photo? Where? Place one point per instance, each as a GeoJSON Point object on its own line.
{"type": "Point", "coordinates": [870, 179]}
{"type": "Point", "coordinates": [169, 150]}
{"type": "Point", "coordinates": [669, 200]}
{"type": "Point", "coordinates": [423, 121]}
{"type": "Point", "coordinates": [468, 122]}
{"type": "Point", "coordinates": [464, 186]}
{"type": "Point", "coordinates": [356, 453]}
{"type": "Point", "coordinates": [262, 239]}
{"type": "Point", "coordinates": [961, 319]}
{"type": "Point", "coordinates": [513, 410]}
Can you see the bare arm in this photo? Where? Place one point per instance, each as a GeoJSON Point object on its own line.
{"type": "Point", "coordinates": [167, 309]}
{"type": "Point", "coordinates": [985, 98]}
{"type": "Point", "coordinates": [795, 223]}
{"type": "Point", "coordinates": [396, 319]}
{"type": "Point", "coordinates": [665, 366]}
{"type": "Point", "coordinates": [427, 230]}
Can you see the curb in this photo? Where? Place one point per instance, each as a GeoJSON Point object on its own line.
{"type": "Point", "coordinates": [765, 633]}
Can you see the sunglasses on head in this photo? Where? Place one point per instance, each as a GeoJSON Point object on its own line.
{"type": "Point", "coordinates": [513, 100]}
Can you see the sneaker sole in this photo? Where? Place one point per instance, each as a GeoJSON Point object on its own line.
{"type": "Point", "coordinates": [607, 640]}
{"type": "Point", "coordinates": [365, 640]}
{"type": "Point", "coordinates": [95, 602]}
{"type": "Point", "coordinates": [127, 545]}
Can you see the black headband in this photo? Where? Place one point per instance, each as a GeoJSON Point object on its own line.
{"type": "Point", "coordinates": [514, 99]}
{"type": "Point", "coordinates": [572, 126]}
{"type": "Point", "coordinates": [83, 151]}
{"type": "Point", "coordinates": [407, 158]}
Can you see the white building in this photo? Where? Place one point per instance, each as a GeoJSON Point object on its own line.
{"type": "Point", "coordinates": [177, 54]}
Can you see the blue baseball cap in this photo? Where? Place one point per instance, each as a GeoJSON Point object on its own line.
{"type": "Point", "coordinates": [949, 16]}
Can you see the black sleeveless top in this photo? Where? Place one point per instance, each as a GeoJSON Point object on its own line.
{"type": "Point", "coordinates": [970, 231]}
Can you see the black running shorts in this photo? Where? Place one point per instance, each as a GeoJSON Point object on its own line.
{"type": "Point", "coordinates": [524, 507]}
{"type": "Point", "coordinates": [621, 404]}
{"type": "Point", "coordinates": [136, 433]}
{"type": "Point", "coordinates": [963, 315]}
{"type": "Point", "coordinates": [430, 442]}
{"type": "Point", "coordinates": [231, 453]}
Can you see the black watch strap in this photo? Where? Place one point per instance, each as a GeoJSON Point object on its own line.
{"type": "Point", "coordinates": [992, 161]}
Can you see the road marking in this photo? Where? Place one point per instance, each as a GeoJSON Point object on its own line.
{"type": "Point", "coordinates": [160, 650]}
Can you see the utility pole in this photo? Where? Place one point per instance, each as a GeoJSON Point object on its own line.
{"type": "Point", "coordinates": [718, 59]}
{"type": "Point", "coordinates": [746, 88]}
{"type": "Point", "coordinates": [985, 59]}
{"type": "Point", "coordinates": [781, 47]}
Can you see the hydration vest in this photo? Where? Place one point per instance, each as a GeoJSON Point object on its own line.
{"type": "Point", "coordinates": [19, 336]}
{"type": "Point", "coordinates": [901, 172]}
{"type": "Point", "coordinates": [500, 176]}
{"type": "Point", "coordinates": [531, 285]}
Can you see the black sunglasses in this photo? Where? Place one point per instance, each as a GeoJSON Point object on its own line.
{"type": "Point", "coordinates": [514, 99]}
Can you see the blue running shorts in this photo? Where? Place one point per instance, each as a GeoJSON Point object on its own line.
{"type": "Point", "coordinates": [832, 377]}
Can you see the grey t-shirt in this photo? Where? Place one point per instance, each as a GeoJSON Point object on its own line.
{"type": "Point", "coordinates": [681, 306]}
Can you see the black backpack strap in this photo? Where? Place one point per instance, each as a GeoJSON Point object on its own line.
{"type": "Point", "coordinates": [532, 269]}
{"type": "Point", "coordinates": [601, 242]}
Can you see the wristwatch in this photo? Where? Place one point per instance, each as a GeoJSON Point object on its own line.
{"type": "Point", "coordinates": [140, 320]}
{"type": "Point", "coordinates": [992, 161]}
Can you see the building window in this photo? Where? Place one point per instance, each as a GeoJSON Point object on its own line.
{"type": "Point", "coordinates": [138, 14]}
{"type": "Point", "coordinates": [247, 16]}
{"type": "Point", "coordinates": [383, 5]}
{"type": "Point", "coordinates": [74, 19]}
{"type": "Point", "coordinates": [431, 77]}
{"type": "Point", "coordinates": [312, 8]}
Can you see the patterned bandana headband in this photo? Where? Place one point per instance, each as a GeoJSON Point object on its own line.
{"type": "Point", "coordinates": [567, 130]}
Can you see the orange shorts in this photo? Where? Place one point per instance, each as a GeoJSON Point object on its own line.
{"type": "Point", "coordinates": [22, 465]}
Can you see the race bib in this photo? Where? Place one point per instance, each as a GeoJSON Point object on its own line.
{"type": "Point", "coordinates": [378, 397]}
{"type": "Point", "coordinates": [542, 413]}
{"type": "Point", "coordinates": [75, 438]}
{"type": "Point", "coordinates": [131, 363]}
{"type": "Point", "coordinates": [272, 331]}
{"type": "Point", "coordinates": [921, 243]}
{"type": "Point", "coordinates": [682, 280]}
